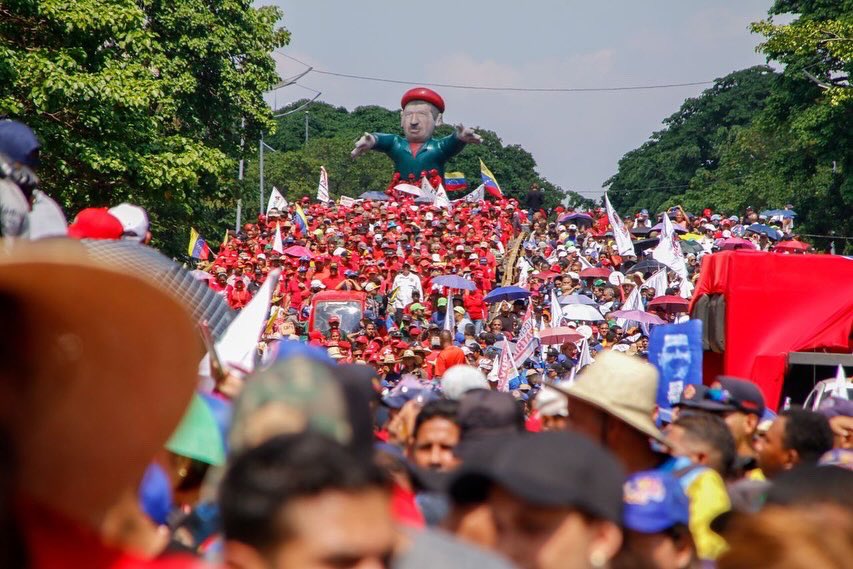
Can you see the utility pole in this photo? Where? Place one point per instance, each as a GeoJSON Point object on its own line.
{"type": "Point", "coordinates": [261, 171]}
{"type": "Point", "coordinates": [306, 127]}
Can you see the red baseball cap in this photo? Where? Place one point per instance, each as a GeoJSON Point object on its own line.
{"type": "Point", "coordinates": [95, 223]}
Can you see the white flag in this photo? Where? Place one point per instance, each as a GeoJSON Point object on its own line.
{"type": "Point", "coordinates": [506, 367]}
{"type": "Point", "coordinates": [441, 199]}
{"type": "Point", "coordinates": [668, 251]}
{"type": "Point", "coordinates": [556, 311]}
{"type": "Point", "coordinates": [584, 263]}
{"type": "Point", "coordinates": [658, 282]}
{"type": "Point", "coordinates": [624, 245]}
{"type": "Point", "coordinates": [584, 357]}
{"type": "Point", "coordinates": [685, 289]}
{"type": "Point", "coordinates": [323, 186]}
{"type": "Point", "coordinates": [525, 345]}
{"type": "Point", "coordinates": [276, 200]}
{"type": "Point", "coordinates": [476, 196]}
{"type": "Point", "coordinates": [239, 343]}
{"type": "Point", "coordinates": [427, 190]}
{"type": "Point", "coordinates": [449, 321]}
{"type": "Point", "coordinates": [633, 302]}
{"type": "Point", "coordinates": [277, 245]}
{"type": "Point", "coordinates": [839, 388]}
{"type": "Point", "coordinates": [347, 201]}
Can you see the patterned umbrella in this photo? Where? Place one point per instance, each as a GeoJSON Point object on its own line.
{"type": "Point", "coordinates": [203, 303]}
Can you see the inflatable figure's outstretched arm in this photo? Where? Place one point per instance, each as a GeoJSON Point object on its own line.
{"type": "Point", "coordinates": [363, 144]}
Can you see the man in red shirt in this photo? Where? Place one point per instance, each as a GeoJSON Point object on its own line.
{"type": "Point", "coordinates": [334, 278]}
{"type": "Point", "coordinates": [238, 297]}
{"type": "Point", "coordinates": [449, 355]}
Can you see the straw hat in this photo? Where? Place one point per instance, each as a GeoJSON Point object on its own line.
{"type": "Point", "coordinates": [107, 368]}
{"type": "Point", "coordinates": [620, 385]}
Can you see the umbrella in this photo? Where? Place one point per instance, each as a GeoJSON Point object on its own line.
{"type": "Point", "coordinates": [643, 244]}
{"type": "Point", "coordinates": [669, 303]}
{"type": "Point", "coordinates": [678, 228]}
{"type": "Point", "coordinates": [595, 273]}
{"type": "Point", "coordinates": [647, 266]}
{"type": "Point", "coordinates": [576, 299]}
{"type": "Point", "coordinates": [202, 302]}
{"type": "Point", "coordinates": [455, 281]}
{"type": "Point", "coordinates": [783, 213]}
{"type": "Point", "coordinates": [198, 436]}
{"type": "Point", "coordinates": [792, 246]}
{"type": "Point", "coordinates": [576, 218]}
{"type": "Point", "coordinates": [375, 196]}
{"type": "Point", "coordinates": [552, 336]}
{"type": "Point", "coordinates": [762, 229]}
{"type": "Point", "coordinates": [506, 293]}
{"type": "Point", "coordinates": [690, 247]}
{"type": "Point", "coordinates": [641, 230]}
{"type": "Point", "coordinates": [546, 275]}
{"type": "Point", "coordinates": [298, 251]}
{"type": "Point", "coordinates": [734, 243]}
{"type": "Point", "coordinates": [582, 312]}
{"type": "Point", "coordinates": [638, 316]}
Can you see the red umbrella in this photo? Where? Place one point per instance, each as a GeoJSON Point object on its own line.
{"type": "Point", "coordinates": [546, 275]}
{"type": "Point", "coordinates": [595, 273]}
{"type": "Point", "coordinates": [737, 243]}
{"type": "Point", "coordinates": [552, 336]}
{"type": "Point", "coordinates": [792, 246]}
{"type": "Point", "coordinates": [298, 251]}
{"type": "Point", "coordinates": [670, 303]}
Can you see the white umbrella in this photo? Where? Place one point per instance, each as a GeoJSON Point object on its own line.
{"type": "Point", "coordinates": [582, 312]}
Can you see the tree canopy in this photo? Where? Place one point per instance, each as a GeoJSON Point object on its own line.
{"type": "Point", "coordinates": [762, 138]}
{"type": "Point", "coordinates": [141, 100]}
{"type": "Point", "coordinates": [332, 132]}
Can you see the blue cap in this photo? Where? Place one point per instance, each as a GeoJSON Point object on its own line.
{"type": "Point", "coordinates": [18, 142]}
{"type": "Point", "coordinates": [654, 501]}
{"type": "Point", "coordinates": [155, 494]}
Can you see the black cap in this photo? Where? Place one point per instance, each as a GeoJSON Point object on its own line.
{"type": "Point", "coordinates": [695, 396]}
{"type": "Point", "coordinates": [555, 469]}
{"type": "Point", "coordinates": [743, 395]}
{"type": "Point", "coordinates": [483, 413]}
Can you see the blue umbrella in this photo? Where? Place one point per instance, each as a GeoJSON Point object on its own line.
{"type": "Point", "coordinates": [375, 196]}
{"type": "Point", "coordinates": [765, 230]}
{"type": "Point", "coordinates": [506, 293]}
{"type": "Point", "coordinates": [785, 213]}
{"type": "Point", "coordinates": [455, 281]}
{"type": "Point", "coordinates": [576, 299]}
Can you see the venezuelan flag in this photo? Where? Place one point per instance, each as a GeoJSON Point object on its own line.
{"type": "Point", "coordinates": [198, 248]}
{"type": "Point", "coordinates": [455, 181]}
{"type": "Point", "coordinates": [489, 181]}
{"type": "Point", "coordinates": [299, 220]}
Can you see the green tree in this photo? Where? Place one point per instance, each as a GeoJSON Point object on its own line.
{"type": "Point", "coordinates": [141, 100]}
{"type": "Point", "coordinates": [692, 141]}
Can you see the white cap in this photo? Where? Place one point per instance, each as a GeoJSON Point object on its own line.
{"type": "Point", "coordinates": [317, 284]}
{"type": "Point", "coordinates": [585, 331]}
{"type": "Point", "coordinates": [133, 220]}
{"type": "Point", "coordinates": [573, 226]}
{"type": "Point", "coordinates": [550, 403]}
{"type": "Point", "coordinates": [460, 379]}
{"type": "Point", "coordinates": [339, 251]}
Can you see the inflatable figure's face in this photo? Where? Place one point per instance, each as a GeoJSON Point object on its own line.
{"type": "Point", "coordinates": [419, 120]}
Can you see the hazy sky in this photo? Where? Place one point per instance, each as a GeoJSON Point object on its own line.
{"type": "Point", "coordinates": [576, 138]}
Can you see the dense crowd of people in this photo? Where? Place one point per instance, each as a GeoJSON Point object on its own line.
{"type": "Point", "coordinates": [488, 404]}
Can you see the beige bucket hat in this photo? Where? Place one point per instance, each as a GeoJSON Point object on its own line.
{"type": "Point", "coordinates": [620, 385]}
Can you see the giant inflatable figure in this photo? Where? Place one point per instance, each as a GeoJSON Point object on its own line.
{"type": "Point", "coordinates": [417, 154]}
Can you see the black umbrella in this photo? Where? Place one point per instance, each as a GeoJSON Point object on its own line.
{"type": "Point", "coordinates": [641, 230]}
{"type": "Point", "coordinates": [647, 266]}
{"type": "Point", "coordinates": [644, 244]}
{"type": "Point", "coordinates": [135, 258]}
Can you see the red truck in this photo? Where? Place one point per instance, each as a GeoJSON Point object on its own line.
{"type": "Point", "coordinates": [348, 306]}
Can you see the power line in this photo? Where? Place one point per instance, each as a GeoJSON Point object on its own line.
{"type": "Point", "coordinates": [499, 88]}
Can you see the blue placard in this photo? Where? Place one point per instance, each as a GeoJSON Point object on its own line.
{"type": "Point", "coordinates": [676, 350]}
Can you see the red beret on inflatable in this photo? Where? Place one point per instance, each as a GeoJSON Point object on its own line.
{"type": "Point", "coordinates": [422, 94]}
